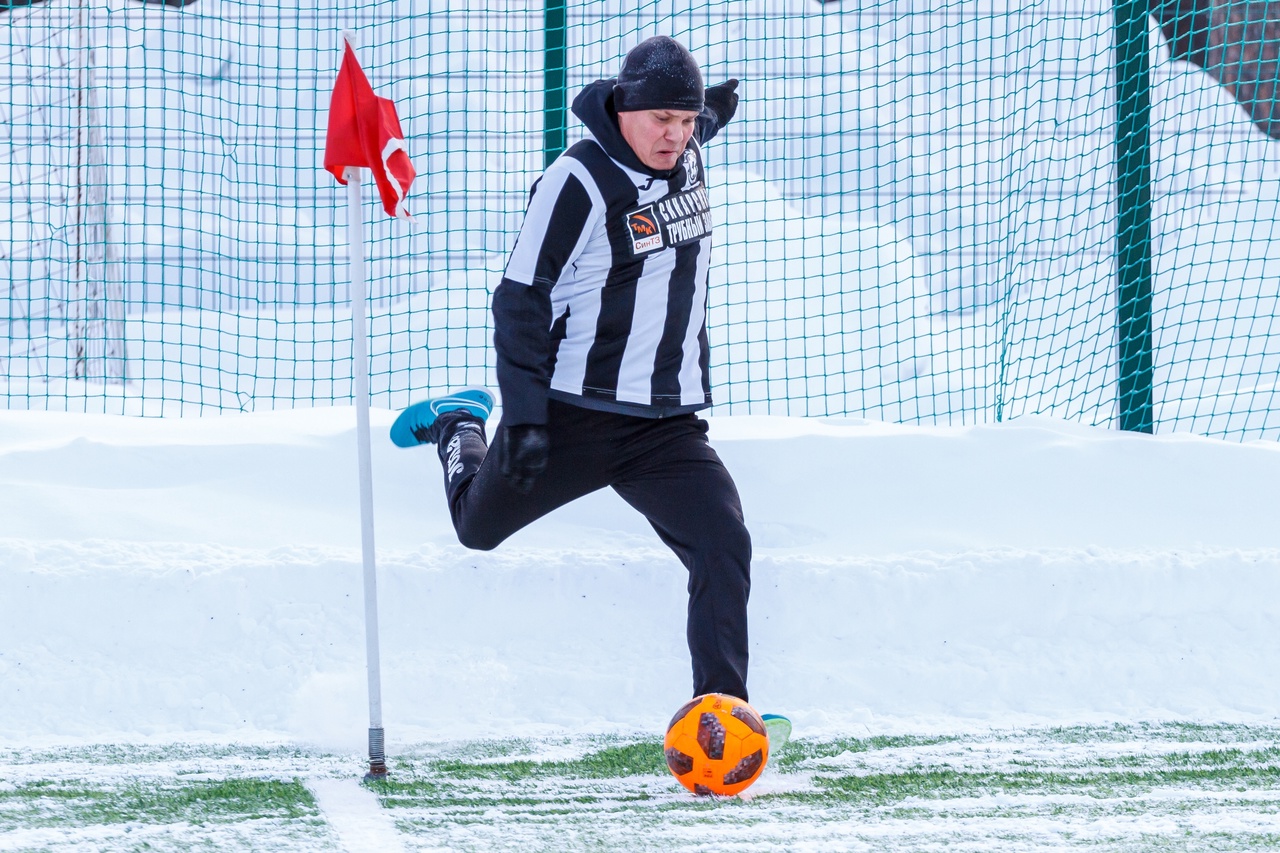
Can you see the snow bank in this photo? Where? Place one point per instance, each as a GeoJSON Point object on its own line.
{"type": "Point", "coordinates": [202, 577]}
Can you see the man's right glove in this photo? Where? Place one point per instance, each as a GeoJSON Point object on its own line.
{"type": "Point", "coordinates": [524, 455]}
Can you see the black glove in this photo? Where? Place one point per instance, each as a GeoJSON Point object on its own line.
{"type": "Point", "coordinates": [524, 455]}
{"type": "Point", "coordinates": [722, 101]}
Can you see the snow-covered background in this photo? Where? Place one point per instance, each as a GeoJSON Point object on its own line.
{"type": "Point", "coordinates": [202, 578]}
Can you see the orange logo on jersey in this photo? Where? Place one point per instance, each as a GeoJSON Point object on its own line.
{"type": "Point", "coordinates": [646, 234]}
{"type": "Point", "coordinates": [643, 226]}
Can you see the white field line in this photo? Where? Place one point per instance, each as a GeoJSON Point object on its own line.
{"type": "Point", "coordinates": [356, 816]}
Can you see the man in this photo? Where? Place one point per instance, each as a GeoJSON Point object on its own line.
{"type": "Point", "coordinates": [602, 355]}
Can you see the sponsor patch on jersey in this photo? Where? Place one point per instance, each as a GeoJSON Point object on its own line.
{"type": "Point", "coordinates": [646, 232]}
{"type": "Point", "coordinates": [684, 217]}
{"type": "Point", "coordinates": [676, 220]}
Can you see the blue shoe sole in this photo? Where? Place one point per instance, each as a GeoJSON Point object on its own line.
{"type": "Point", "coordinates": [419, 416]}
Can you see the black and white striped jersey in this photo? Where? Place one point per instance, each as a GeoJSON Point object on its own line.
{"type": "Point", "coordinates": [603, 302]}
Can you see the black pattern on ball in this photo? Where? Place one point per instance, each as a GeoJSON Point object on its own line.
{"type": "Point", "coordinates": [753, 721]}
{"type": "Point", "coordinates": [746, 768]}
{"type": "Point", "coordinates": [711, 736]}
{"type": "Point", "coordinates": [686, 708]}
{"type": "Point", "coordinates": [678, 762]}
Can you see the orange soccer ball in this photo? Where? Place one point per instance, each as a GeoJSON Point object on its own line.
{"type": "Point", "coordinates": [716, 744]}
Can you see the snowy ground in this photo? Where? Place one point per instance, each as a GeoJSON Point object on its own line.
{"type": "Point", "coordinates": [1148, 787]}
{"type": "Point", "coordinates": [183, 608]}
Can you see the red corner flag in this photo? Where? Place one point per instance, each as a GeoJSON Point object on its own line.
{"type": "Point", "coordinates": [364, 131]}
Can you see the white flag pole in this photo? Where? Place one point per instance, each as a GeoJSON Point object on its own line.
{"type": "Point", "coordinates": [360, 372]}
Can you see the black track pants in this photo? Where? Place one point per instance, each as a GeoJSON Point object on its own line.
{"type": "Point", "coordinates": [663, 467]}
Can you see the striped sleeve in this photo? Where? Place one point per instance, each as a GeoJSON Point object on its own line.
{"type": "Point", "coordinates": [555, 229]}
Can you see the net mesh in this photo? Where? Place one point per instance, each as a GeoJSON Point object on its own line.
{"type": "Point", "coordinates": [927, 212]}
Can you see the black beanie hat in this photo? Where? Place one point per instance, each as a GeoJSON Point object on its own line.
{"type": "Point", "coordinates": [658, 74]}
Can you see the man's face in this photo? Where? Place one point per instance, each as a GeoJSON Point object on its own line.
{"type": "Point", "coordinates": [657, 136]}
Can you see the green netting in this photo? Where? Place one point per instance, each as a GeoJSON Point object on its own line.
{"type": "Point", "coordinates": [937, 212]}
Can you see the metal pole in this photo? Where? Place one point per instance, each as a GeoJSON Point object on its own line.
{"type": "Point", "coordinates": [1133, 217]}
{"type": "Point", "coordinates": [554, 82]}
{"type": "Point", "coordinates": [360, 373]}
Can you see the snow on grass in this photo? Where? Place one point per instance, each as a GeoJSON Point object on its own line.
{"type": "Point", "coordinates": [178, 797]}
{"type": "Point", "coordinates": [1135, 787]}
